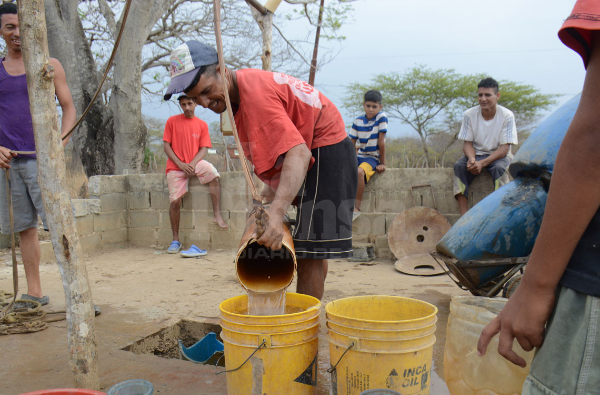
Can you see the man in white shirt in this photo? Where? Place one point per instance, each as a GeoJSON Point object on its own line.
{"type": "Point", "coordinates": [488, 131]}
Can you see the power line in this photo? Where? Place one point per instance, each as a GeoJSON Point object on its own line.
{"type": "Point", "coordinates": [454, 53]}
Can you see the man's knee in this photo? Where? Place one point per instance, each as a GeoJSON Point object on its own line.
{"type": "Point", "coordinates": [361, 172]}
{"type": "Point", "coordinates": [176, 204]}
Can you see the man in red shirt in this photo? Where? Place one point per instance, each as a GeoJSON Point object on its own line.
{"type": "Point", "coordinates": [556, 308]}
{"type": "Point", "coordinates": [297, 141]}
{"type": "Point", "coordinates": [186, 141]}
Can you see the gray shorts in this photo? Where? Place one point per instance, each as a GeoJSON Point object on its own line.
{"type": "Point", "coordinates": [569, 360]}
{"type": "Point", "coordinates": [26, 196]}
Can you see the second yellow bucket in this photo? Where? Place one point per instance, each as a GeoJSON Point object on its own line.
{"type": "Point", "coordinates": [271, 355]}
{"type": "Point", "coordinates": [381, 342]}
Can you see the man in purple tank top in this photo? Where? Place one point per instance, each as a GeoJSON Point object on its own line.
{"type": "Point", "coordinates": [16, 134]}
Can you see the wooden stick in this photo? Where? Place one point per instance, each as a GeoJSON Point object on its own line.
{"type": "Point", "coordinates": [255, 195]}
{"type": "Point", "coordinates": [52, 173]}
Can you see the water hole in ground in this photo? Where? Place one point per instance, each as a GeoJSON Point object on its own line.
{"type": "Point", "coordinates": [163, 343]}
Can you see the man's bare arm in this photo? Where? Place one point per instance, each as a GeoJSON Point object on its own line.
{"type": "Point", "coordinates": [500, 153]}
{"type": "Point", "coordinates": [295, 165]}
{"type": "Point", "coordinates": [63, 94]}
{"type": "Point", "coordinates": [469, 150]}
{"type": "Point", "coordinates": [573, 200]}
{"type": "Point", "coordinates": [185, 167]}
{"type": "Point", "coordinates": [199, 156]}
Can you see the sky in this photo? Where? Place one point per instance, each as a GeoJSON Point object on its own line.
{"type": "Point", "coordinates": [508, 40]}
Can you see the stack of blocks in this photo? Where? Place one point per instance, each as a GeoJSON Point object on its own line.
{"type": "Point", "coordinates": [134, 209]}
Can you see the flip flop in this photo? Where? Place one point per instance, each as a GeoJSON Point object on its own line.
{"type": "Point", "coordinates": [193, 252]}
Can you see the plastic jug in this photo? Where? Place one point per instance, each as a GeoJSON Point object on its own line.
{"type": "Point", "coordinates": [467, 373]}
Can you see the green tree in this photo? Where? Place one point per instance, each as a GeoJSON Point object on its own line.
{"type": "Point", "coordinates": [432, 102]}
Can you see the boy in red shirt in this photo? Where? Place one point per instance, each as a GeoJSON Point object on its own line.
{"type": "Point", "coordinates": [297, 141]}
{"type": "Point", "coordinates": [186, 141]}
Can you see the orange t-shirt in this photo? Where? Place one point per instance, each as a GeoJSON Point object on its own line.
{"type": "Point", "coordinates": [278, 112]}
{"type": "Point", "coordinates": [576, 32]}
{"type": "Point", "coordinates": [187, 136]}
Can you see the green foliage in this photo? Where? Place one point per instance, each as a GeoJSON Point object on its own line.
{"type": "Point", "coordinates": [336, 13]}
{"type": "Point", "coordinates": [432, 102]}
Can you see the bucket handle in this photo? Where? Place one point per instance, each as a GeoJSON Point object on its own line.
{"type": "Point", "coordinates": [247, 359]}
{"type": "Point", "coordinates": [331, 369]}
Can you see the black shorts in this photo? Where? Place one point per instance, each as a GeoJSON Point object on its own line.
{"type": "Point", "coordinates": [325, 204]}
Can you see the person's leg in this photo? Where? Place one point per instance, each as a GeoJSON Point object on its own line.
{"type": "Point", "coordinates": [174, 216]}
{"type": "Point", "coordinates": [311, 277]}
{"type": "Point", "coordinates": [214, 187]}
{"type": "Point", "coordinates": [462, 180]}
{"type": "Point", "coordinates": [30, 252]}
{"type": "Point", "coordinates": [208, 174]}
{"type": "Point", "coordinates": [498, 169]}
{"type": "Point", "coordinates": [360, 190]}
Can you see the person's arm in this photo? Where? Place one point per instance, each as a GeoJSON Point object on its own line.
{"type": "Point", "coordinates": [5, 157]}
{"type": "Point", "coordinates": [500, 153]}
{"type": "Point", "coordinates": [573, 199]}
{"type": "Point", "coordinates": [63, 94]}
{"type": "Point", "coordinates": [469, 152]}
{"type": "Point", "coordinates": [354, 144]}
{"type": "Point", "coordinates": [293, 172]}
{"type": "Point", "coordinates": [381, 142]}
{"type": "Point", "coordinates": [188, 169]}
{"type": "Point", "coordinates": [199, 156]}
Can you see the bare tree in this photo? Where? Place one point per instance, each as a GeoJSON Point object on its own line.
{"type": "Point", "coordinates": [51, 168]}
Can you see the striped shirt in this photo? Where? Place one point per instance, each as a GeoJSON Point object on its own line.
{"type": "Point", "coordinates": [366, 131]}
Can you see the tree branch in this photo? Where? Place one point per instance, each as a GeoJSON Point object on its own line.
{"type": "Point", "coordinates": [290, 44]}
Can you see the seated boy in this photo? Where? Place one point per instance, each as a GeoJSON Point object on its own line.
{"type": "Point", "coordinates": [369, 130]}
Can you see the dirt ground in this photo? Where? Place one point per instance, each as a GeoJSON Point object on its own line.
{"type": "Point", "coordinates": [143, 290]}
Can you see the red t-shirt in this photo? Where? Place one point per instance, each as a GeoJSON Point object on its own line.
{"type": "Point", "coordinates": [576, 32]}
{"type": "Point", "coordinates": [187, 136]}
{"type": "Point", "coordinates": [278, 112]}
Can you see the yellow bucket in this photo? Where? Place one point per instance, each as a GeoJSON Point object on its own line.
{"type": "Point", "coordinates": [381, 342]}
{"type": "Point", "coordinates": [271, 355]}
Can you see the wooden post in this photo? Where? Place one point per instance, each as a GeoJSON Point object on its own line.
{"type": "Point", "coordinates": [59, 213]}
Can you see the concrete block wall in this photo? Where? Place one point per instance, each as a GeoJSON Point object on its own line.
{"type": "Point", "coordinates": [134, 209]}
{"type": "Point", "coordinates": [389, 193]}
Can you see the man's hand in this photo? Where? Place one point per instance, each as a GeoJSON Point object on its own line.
{"type": "Point", "coordinates": [187, 168]}
{"type": "Point", "coordinates": [523, 318]}
{"type": "Point", "coordinates": [470, 163]}
{"type": "Point", "coordinates": [380, 168]}
{"type": "Point", "coordinates": [5, 157]}
{"type": "Point", "coordinates": [273, 236]}
{"type": "Point", "coordinates": [476, 168]}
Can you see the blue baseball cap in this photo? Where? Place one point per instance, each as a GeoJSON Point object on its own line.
{"type": "Point", "coordinates": [186, 59]}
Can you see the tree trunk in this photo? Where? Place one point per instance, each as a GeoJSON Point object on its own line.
{"type": "Point", "coordinates": [265, 23]}
{"type": "Point", "coordinates": [313, 63]}
{"type": "Point", "coordinates": [93, 140]}
{"type": "Point", "coordinates": [425, 150]}
{"type": "Point", "coordinates": [51, 170]}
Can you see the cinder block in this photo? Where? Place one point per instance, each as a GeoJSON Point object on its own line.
{"type": "Point", "coordinates": [47, 252]}
{"type": "Point", "coordinates": [100, 185]}
{"type": "Point", "coordinates": [203, 220]}
{"type": "Point", "coordinates": [159, 200]}
{"type": "Point", "coordinates": [367, 204]}
{"type": "Point", "coordinates": [226, 240]}
{"type": "Point", "coordinates": [186, 219]}
{"type": "Point", "coordinates": [141, 237]}
{"type": "Point", "coordinates": [144, 218]}
{"type": "Point", "coordinates": [110, 221]}
{"type": "Point", "coordinates": [197, 201]}
{"type": "Point", "coordinates": [138, 200]}
{"type": "Point", "coordinates": [238, 220]}
{"type": "Point", "coordinates": [113, 202]}
{"type": "Point", "coordinates": [146, 182]}
{"type": "Point", "coordinates": [382, 241]}
{"type": "Point", "coordinates": [369, 224]}
{"type": "Point", "coordinates": [115, 237]}
{"type": "Point", "coordinates": [389, 202]}
{"type": "Point", "coordinates": [91, 243]}
{"type": "Point", "coordinates": [201, 238]}
{"type": "Point", "coordinates": [165, 237]}
{"type": "Point", "coordinates": [452, 218]}
{"type": "Point", "coordinates": [85, 225]}
{"type": "Point", "coordinates": [5, 241]}
{"type": "Point", "coordinates": [83, 207]}
{"type": "Point", "coordinates": [384, 253]}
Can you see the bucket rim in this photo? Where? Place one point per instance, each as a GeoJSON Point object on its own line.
{"type": "Point", "coordinates": [273, 334]}
{"type": "Point", "coordinates": [371, 351]}
{"type": "Point", "coordinates": [433, 314]}
{"type": "Point", "coordinates": [433, 323]}
{"type": "Point", "coordinates": [316, 307]}
{"type": "Point", "coordinates": [316, 317]}
{"type": "Point", "coordinates": [382, 340]}
{"type": "Point", "coordinates": [431, 329]}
